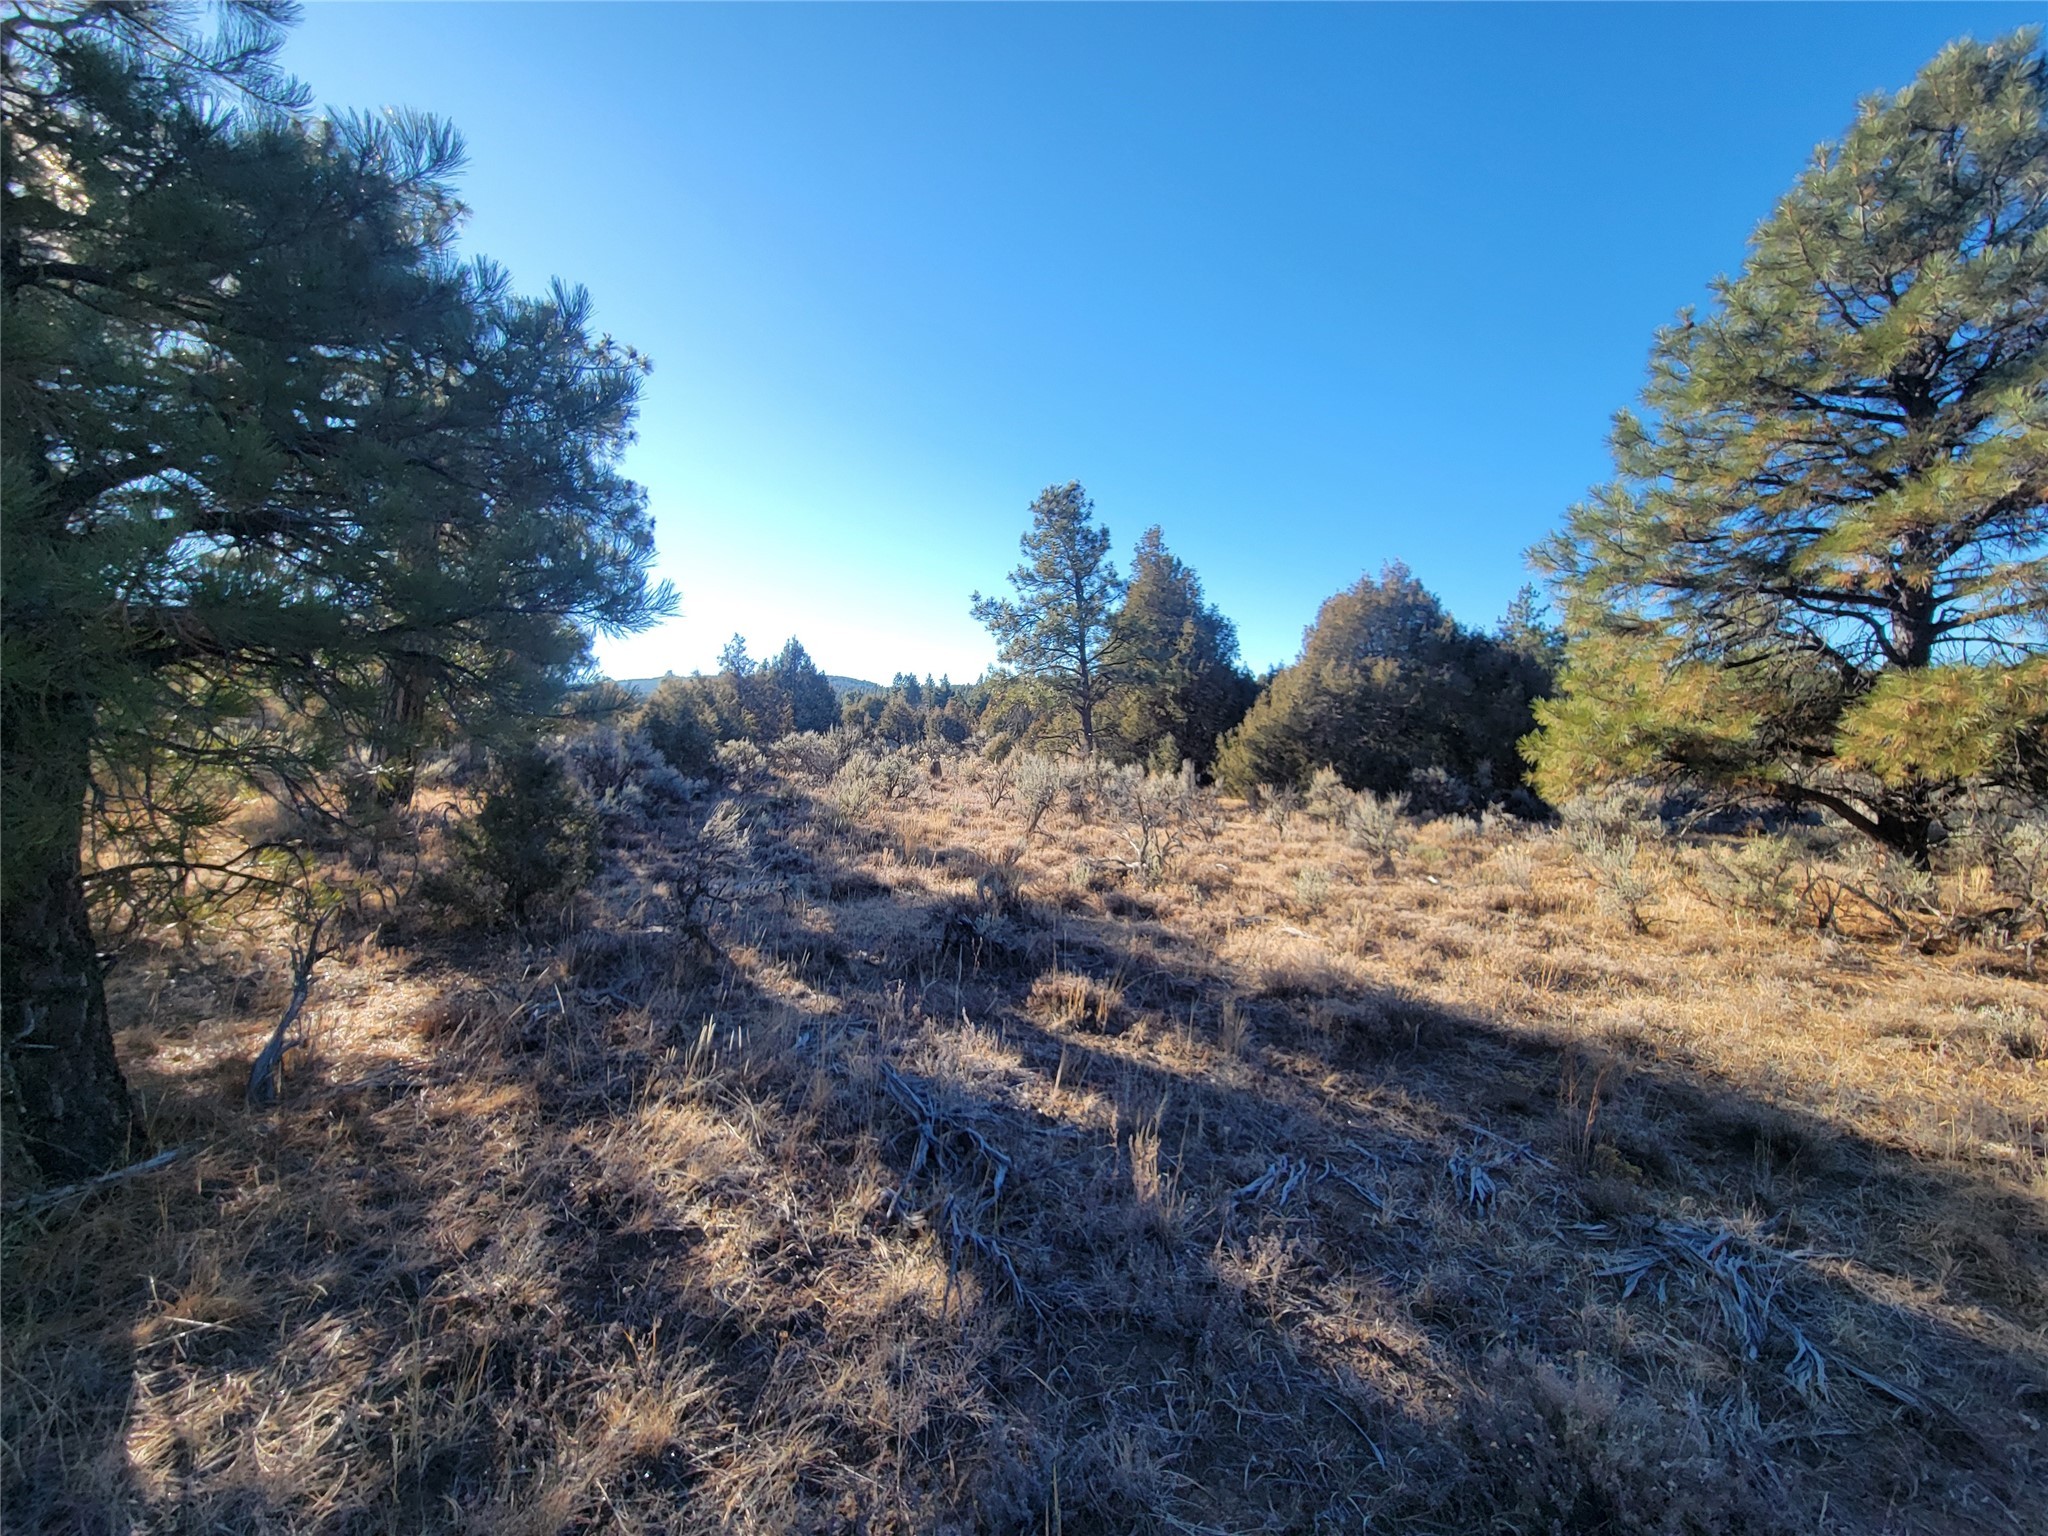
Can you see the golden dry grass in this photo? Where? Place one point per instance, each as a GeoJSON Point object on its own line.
{"type": "Point", "coordinates": [969, 1190]}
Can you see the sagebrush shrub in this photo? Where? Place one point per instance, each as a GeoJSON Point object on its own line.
{"type": "Point", "coordinates": [1607, 833]}
{"type": "Point", "coordinates": [855, 787]}
{"type": "Point", "coordinates": [815, 755]}
{"type": "Point", "coordinates": [1152, 812]}
{"type": "Point", "coordinates": [1327, 800]}
{"type": "Point", "coordinates": [742, 764]}
{"type": "Point", "coordinates": [1312, 888]}
{"type": "Point", "coordinates": [1378, 824]}
{"type": "Point", "coordinates": [1762, 875]}
{"type": "Point", "coordinates": [1039, 781]}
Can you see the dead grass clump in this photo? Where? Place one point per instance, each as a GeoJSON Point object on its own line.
{"type": "Point", "coordinates": [1070, 1000]}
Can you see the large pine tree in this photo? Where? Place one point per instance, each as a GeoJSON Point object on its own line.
{"type": "Point", "coordinates": [283, 478]}
{"type": "Point", "coordinates": [1822, 572]}
{"type": "Point", "coordinates": [1061, 627]}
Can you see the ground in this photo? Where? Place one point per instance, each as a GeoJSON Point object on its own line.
{"type": "Point", "coordinates": [940, 1186]}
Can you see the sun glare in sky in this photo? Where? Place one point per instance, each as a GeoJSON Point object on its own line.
{"type": "Point", "coordinates": [1312, 288]}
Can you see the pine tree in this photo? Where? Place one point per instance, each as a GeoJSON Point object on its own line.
{"type": "Point", "coordinates": [1183, 688]}
{"type": "Point", "coordinates": [1821, 574]}
{"type": "Point", "coordinates": [812, 704]}
{"type": "Point", "coordinates": [283, 479]}
{"type": "Point", "coordinates": [1061, 627]}
{"type": "Point", "coordinates": [745, 700]}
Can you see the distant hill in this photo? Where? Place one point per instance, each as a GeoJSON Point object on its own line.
{"type": "Point", "coordinates": [841, 686]}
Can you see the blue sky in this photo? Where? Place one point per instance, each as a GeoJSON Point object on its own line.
{"type": "Point", "coordinates": [1312, 287]}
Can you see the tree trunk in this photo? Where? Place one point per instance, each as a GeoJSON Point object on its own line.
{"type": "Point", "coordinates": [66, 1106]}
{"type": "Point", "coordinates": [1908, 832]}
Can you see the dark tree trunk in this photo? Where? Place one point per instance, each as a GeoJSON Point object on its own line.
{"type": "Point", "coordinates": [1908, 832]}
{"type": "Point", "coordinates": [66, 1105]}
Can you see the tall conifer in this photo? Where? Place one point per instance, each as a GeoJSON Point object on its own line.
{"type": "Point", "coordinates": [1061, 628]}
{"type": "Point", "coordinates": [1821, 573]}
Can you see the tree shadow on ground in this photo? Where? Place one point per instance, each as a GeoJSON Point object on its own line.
{"type": "Point", "coordinates": [907, 1211]}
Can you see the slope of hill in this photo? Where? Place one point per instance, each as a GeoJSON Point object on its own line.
{"type": "Point", "coordinates": [955, 1176]}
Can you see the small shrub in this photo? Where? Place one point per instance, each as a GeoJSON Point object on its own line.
{"type": "Point", "coordinates": [2014, 845]}
{"type": "Point", "coordinates": [1312, 888]}
{"type": "Point", "coordinates": [996, 784]}
{"type": "Point", "coordinates": [898, 775]}
{"type": "Point", "coordinates": [742, 764]}
{"type": "Point", "coordinates": [1152, 812]}
{"type": "Point", "coordinates": [1763, 875]}
{"type": "Point", "coordinates": [999, 883]}
{"type": "Point", "coordinates": [1378, 824]}
{"type": "Point", "coordinates": [1434, 792]}
{"type": "Point", "coordinates": [1904, 895]}
{"type": "Point", "coordinates": [1039, 781]}
{"type": "Point", "coordinates": [855, 787]}
{"type": "Point", "coordinates": [704, 868]}
{"type": "Point", "coordinates": [534, 839]}
{"type": "Point", "coordinates": [1607, 833]}
{"type": "Point", "coordinates": [1279, 804]}
{"type": "Point", "coordinates": [1457, 829]}
{"type": "Point", "coordinates": [1515, 866]}
{"type": "Point", "coordinates": [606, 758]}
{"type": "Point", "coordinates": [815, 755]}
{"type": "Point", "coordinates": [1327, 800]}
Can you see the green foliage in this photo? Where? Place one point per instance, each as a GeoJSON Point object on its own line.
{"type": "Point", "coordinates": [1822, 571]}
{"type": "Point", "coordinates": [1388, 687]}
{"type": "Point", "coordinates": [1061, 628]}
{"type": "Point", "coordinates": [534, 840]}
{"type": "Point", "coordinates": [1181, 685]}
{"type": "Point", "coordinates": [288, 487]}
{"type": "Point", "coordinates": [812, 704]}
{"type": "Point", "coordinates": [901, 723]}
{"type": "Point", "coordinates": [746, 698]}
{"type": "Point", "coordinates": [687, 718]}
{"type": "Point", "coordinates": [682, 722]}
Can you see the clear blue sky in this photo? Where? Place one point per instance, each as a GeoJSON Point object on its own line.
{"type": "Point", "coordinates": [1312, 287]}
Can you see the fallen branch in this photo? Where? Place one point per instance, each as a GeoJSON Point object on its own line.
{"type": "Point", "coordinates": [43, 1199]}
{"type": "Point", "coordinates": [961, 1218]}
{"type": "Point", "coordinates": [262, 1089]}
{"type": "Point", "coordinates": [1747, 1281]}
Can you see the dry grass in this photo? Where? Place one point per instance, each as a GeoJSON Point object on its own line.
{"type": "Point", "coordinates": [970, 1189]}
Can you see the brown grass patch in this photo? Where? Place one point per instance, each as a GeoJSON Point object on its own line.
{"type": "Point", "coordinates": [1430, 1200]}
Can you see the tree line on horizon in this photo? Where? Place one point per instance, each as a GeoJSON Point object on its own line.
{"type": "Point", "coordinates": [296, 495]}
{"type": "Point", "coordinates": [1140, 668]}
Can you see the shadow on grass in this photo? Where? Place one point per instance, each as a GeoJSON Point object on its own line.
{"type": "Point", "coordinates": [951, 1254]}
